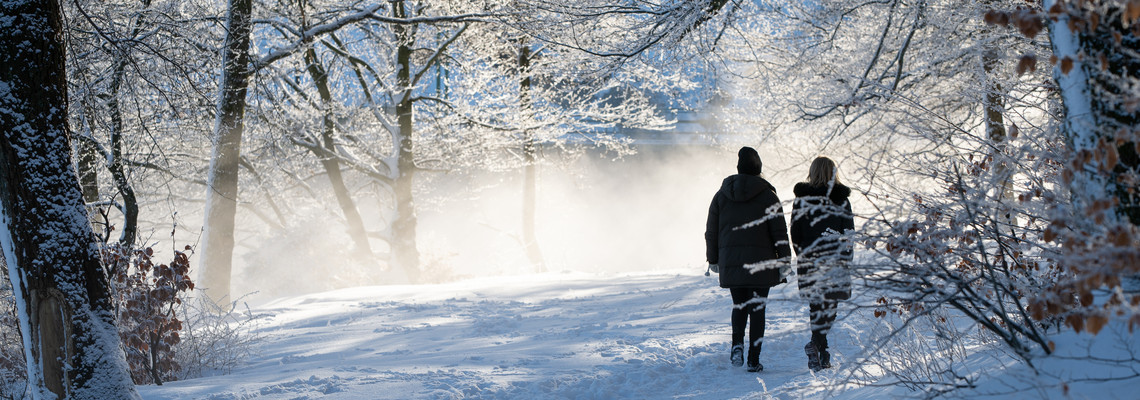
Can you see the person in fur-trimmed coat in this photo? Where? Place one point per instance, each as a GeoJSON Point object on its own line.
{"type": "Point", "coordinates": [745, 239]}
{"type": "Point", "coordinates": [821, 215]}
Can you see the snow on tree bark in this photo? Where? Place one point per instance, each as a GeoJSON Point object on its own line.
{"type": "Point", "coordinates": [65, 309]}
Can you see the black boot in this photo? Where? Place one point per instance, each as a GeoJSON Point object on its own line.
{"type": "Point", "coordinates": [754, 364]}
{"type": "Point", "coordinates": [820, 341]}
{"type": "Point", "coordinates": [813, 357]}
{"type": "Point", "coordinates": [737, 356]}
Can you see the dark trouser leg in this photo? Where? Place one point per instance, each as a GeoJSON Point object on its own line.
{"type": "Point", "coordinates": [756, 313]}
{"type": "Point", "coordinates": [739, 315]}
{"type": "Point", "coordinates": [822, 316]}
{"type": "Point", "coordinates": [749, 303]}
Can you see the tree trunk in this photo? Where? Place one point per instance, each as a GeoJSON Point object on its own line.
{"type": "Point", "coordinates": [1100, 111]}
{"type": "Point", "coordinates": [993, 107]}
{"type": "Point", "coordinates": [330, 163]}
{"type": "Point", "coordinates": [115, 164]}
{"type": "Point", "coordinates": [530, 170]}
{"type": "Point", "coordinates": [405, 256]}
{"type": "Point", "coordinates": [1114, 108]}
{"type": "Point", "coordinates": [87, 164]}
{"type": "Point", "coordinates": [222, 183]}
{"type": "Point", "coordinates": [1077, 124]}
{"type": "Point", "coordinates": [66, 314]}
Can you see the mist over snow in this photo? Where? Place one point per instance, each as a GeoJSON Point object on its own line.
{"type": "Point", "coordinates": [640, 212]}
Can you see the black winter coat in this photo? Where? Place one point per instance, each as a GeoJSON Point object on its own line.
{"type": "Point", "coordinates": [818, 220]}
{"type": "Point", "coordinates": [816, 216]}
{"type": "Point", "coordinates": [746, 200]}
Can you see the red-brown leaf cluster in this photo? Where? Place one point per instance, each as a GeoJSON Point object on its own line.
{"type": "Point", "coordinates": [1027, 21]}
{"type": "Point", "coordinates": [147, 294]}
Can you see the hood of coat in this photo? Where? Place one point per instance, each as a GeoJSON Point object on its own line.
{"type": "Point", "coordinates": [742, 187]}
{"type": "Point", "coordinates": [839, 192]}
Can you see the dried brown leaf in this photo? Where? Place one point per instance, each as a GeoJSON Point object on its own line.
{"type": "Point", "coordinates": [1096, 322]}
{"type": "Point", "coordinates": [1075, 321]}
{"type": "Point", "coordinates": [1055, 10]}
{"type": "Point", "coordinates": [1066, 65]}
{"type": "Point", "coordinates": [1027, 63]}
{"type": "Point", "coordinates": [1028, 22]}
{"type": "Point", "coordinates": [1131, 12]}
{"type": "Point", "coordinates": [994, 17]}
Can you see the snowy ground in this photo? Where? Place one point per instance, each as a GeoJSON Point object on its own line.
{"type": "Point", "coordinates": [558, 335]}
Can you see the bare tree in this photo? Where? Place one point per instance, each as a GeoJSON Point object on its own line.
{"type": "Point", "coordinates": [240, 67]}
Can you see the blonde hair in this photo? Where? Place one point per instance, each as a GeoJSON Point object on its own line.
{"type": "Point", "coordinates": [823, 172]}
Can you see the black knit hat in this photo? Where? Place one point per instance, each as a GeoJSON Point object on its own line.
{"type": "Point", "coordinates": [748, 162]}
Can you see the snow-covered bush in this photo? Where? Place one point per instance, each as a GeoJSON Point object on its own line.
{"type": "Point", "coordinates": [921, 349]}
{"type": "Point", "coordinates": [168, 333]}
{"type": "Point", "coordinates": [1093, 211]}
{"type": "Point", "coordinates": [216, 338]}
{"type": "Point", "coordinates": [985, 196]}
{"type": "Point", "coordinates": [973, 246]}
{"type": "Point", "coordinates": [1096, 233]}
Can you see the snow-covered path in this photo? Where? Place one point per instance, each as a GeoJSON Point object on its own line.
{"type": "Point", "coordinates": [653, 335]}
{"type": "Point", "coordinates": [574, 336]}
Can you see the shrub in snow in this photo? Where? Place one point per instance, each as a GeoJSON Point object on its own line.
{"type": "Point", "coordinates": [147, 296]}
{"type": "Point", "coordinates": [975, 242]}
{"type": "Point", "coordinates": [922, 350]}
{"type": "Point", "coordinates": [216, 339]}
{"type": "Point", "coordinates": [166, 335]}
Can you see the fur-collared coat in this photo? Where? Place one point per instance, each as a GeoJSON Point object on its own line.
{"type": "Point", "coordinates": [820, 218]}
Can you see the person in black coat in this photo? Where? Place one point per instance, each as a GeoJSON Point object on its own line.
{"type": "Point", "coordinates": [821, 215]}
{"type": "Point", "coordinates": [746, 238]}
